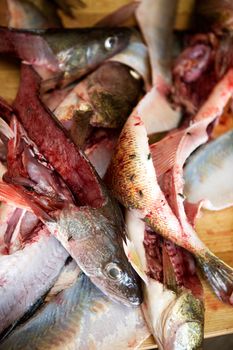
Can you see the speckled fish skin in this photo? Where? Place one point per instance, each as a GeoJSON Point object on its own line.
{"type": "Point", "coordinates": [27, 275]}
{"type": "Point", "coordinates": [95, 242]}
{"type": "Point", "coordinates": [132, 179]}
{"type": "Point", "coordinates": [187, 317]}
{"type": "Point", "coordinates": [208, 174]}
{"type": "Point", "coordinates": [80, 318]}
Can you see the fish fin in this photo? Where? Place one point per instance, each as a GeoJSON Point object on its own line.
{"type": "Point", "coordinates": [134, 259]}
{"type": "Point", "coordinates": [164, 152]}
{"type": "Point", "coordinates": [219, 276]}
{"type": "Point", "coordinates": [193, 211]}
{"type": "Point", "coordinates": [8, 194]}
{"type": "Point", "coordinates": [15, 196]}
{"type": "Point", "coordinates": [169, 277]}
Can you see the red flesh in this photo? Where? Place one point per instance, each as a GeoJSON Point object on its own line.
{"type": "Point", "coordinates": [53, 142]}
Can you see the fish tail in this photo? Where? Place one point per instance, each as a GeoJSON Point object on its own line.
{"type": "Point", "coordinates": [219, 276]}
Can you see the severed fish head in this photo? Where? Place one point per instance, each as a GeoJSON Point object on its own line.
{"type": "Point", "coordinates": [184, 325]}
{"type": "Point", "coordinates": [95, 243]}
{"type": "Point", "coordinates": [80, 50]}
{"type": "Point", "coordinates": [177, 321]}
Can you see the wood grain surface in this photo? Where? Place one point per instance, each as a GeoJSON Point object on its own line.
{"type": "Point", "coordinates": [215, 228]}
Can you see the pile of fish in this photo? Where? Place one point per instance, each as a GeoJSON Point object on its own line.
{"type": "Point", "coordinates": [111, 147]}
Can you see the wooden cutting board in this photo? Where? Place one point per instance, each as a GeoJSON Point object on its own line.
{"type": "Point", "coordinates": [215, 228]}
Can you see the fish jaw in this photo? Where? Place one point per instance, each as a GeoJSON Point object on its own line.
{"type": "Point", "coordinates": [95, 244]}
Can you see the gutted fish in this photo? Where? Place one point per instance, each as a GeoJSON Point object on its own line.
{"type": "Point", "coordinates": [132, 177]}
{"type": "Point", "coordinates": [207, 174]}
{"type": "Point", "coordinates": [34, 270]}
{"type": "Point", "coordinates": [173, 296]}
{"type": "Point", "coordinates": [80, 317]}
{"type": "Point", "coordinates": [62, 56]}
{"type": "Point", "coordinates": [92, 236]}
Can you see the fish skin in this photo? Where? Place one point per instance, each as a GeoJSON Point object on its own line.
{"type": "Point", "coordinates": [108, 96]}
{"type": "Point", "coordinates": [137, 187]}
{"type": "Point", "coordinates": [26, 14]}
{"type": "Point", "coordinates": [93, 240]}
{"type": "Point", "coordinates": [36, 267]}
{"type": "Point", "coordinates": [80, 318]}
{"type": "Point", "coordinates": [156, 20]}
{"type": "Point", "coordinates": [93, 237]}
{"type": "Point", "coordinates": [65, 54]}
{"type": "Point", "coordinates": [174, 313]}
{"type": "Point", "coordinates": [206, 174]}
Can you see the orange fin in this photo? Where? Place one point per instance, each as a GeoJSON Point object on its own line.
{"type": "Point", "coordinates": [164, 152]}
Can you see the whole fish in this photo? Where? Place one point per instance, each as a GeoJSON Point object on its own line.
{"type": "Point", "coordinates": [132, 178]}
{"type": "Point", "coordinates": [207, 174]}
{"type": "Point", "coordinates": [32, 14]}
{"type": "Point", "coordinates": [92, 236]}
{"type": "Point", "coordinates": [62, 56]}
{"type": "Point", "coordinates": [173, 295]}
{"type": "Point", "coordinates": [34, 270]}
{"type": "Point", "coordinates": [80, 317]}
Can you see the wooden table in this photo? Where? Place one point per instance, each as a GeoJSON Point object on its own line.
{"type": "Point", "coordinates": [215, 228]}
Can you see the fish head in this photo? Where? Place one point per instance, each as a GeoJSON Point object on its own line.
{"type": "Point", "coordinates": [95, 243]}
{"type": "Point", "coordinates": [184, 323]}
{"type": "Point", "coordinates": [81, 50]}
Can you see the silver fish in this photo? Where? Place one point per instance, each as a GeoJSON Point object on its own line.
{"type": "Point", "coordinates": [27, 275]}
{"type": "Point", "coordinates": [80, 318]}
{"type": "Point", "coordinates": [208, 174]}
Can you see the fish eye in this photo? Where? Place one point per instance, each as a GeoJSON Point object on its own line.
{"type": "Point", "coordinates": [114, 272]}
{"type": "Point", "coordinates": [134, 74]}
{"type": "Point", "coordinates": [110, 42]}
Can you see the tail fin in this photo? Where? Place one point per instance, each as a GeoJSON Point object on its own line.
{"type": "Point", "coordinates": [219, 276]}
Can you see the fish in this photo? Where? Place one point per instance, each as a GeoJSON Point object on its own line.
{"type": "Point", "coordinates": [107, 104]}
{"type": "Point", "coordinates": [207, 174]}
{"type": "Point", "coordinates": [156, 20]}
{"type": "Point", "coordinates": [92, 236]}
{"type": "Point", "coordinates": [64, 55]}
{"type": "Point", "coordinates": [29, 14]}
{"type": "Point", "coordinates": [34, 270]}
{"type": "Point", "coordinates": [135, 55]}
{"type": "Point", "coordinates": [173, 296]}
{"type": "Point", "coordinates": [80, 317]}
{"type": "Point", "coordinates": [133, 179]}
